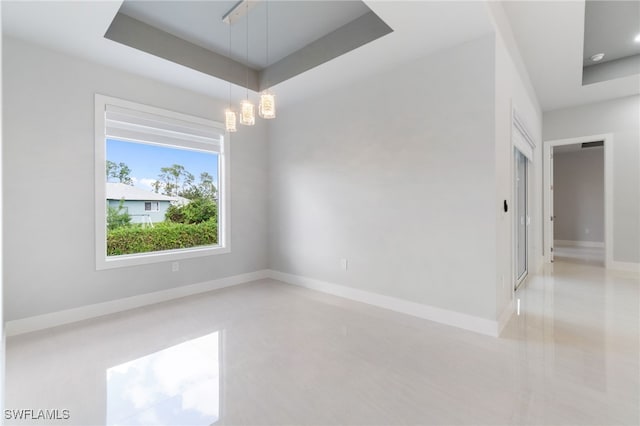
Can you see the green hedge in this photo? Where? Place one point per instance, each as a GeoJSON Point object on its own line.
{"type": "Point", "coordinates": [198, 210]}
{"type": "Point", "coordinates": [163, 236]}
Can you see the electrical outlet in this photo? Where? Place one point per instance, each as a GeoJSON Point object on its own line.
{"type": "Point", "coordinates": [343, 264]}
{"type": "Point", "coordinates": [175, 267]}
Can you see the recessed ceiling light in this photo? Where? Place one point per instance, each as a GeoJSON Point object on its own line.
{"type": "Point", "coordinates": [597, 57]}
{"type": "Point", "coordinates": [637, 39]}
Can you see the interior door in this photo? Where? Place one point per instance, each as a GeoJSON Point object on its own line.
{"type": "Point", "coordinates": [521, 216]}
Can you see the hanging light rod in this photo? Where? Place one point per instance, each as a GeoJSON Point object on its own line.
{"type": "Point", "coordinates": [238, 11]}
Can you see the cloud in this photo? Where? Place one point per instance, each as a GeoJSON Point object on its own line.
{"type": "Point", "coordinates": [144, 183]}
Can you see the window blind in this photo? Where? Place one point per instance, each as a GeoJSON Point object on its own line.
{"type": "Point", "coordinates": [128, 124]}
{"type": "Point", "coordinates": [522, 144]}
{"type": "Point", "coordinates": [520, 137]}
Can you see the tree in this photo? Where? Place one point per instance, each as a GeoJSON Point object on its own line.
{"type": "Point", "coordinates": [117, 218]}
{"type": "Point", "coordinates": [119, 172]}
{"type": "Point", "coordinates": [197, 211]}
{"type": "Point", "coordinates": [206, 186]}
{"type": "Point", "coordinates": [157, 185]}
{"type": "Point", "coordinates": [112, 169]}
{"type": "Point", "coordinates": [174, 180]}
{"type": "Point", "coordinates": [174, 214]}
{"type": "Point", "coordinates": [204, 189]}
{"type": "Point", "coordinates": [200, 210]}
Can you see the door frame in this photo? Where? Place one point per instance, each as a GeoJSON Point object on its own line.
{"type": "Point", "coordinates": [518, 280]}
{"type": "Point", "coordinates": [547, 224]}
{"type": "Point", "coordinates": [527, 147]}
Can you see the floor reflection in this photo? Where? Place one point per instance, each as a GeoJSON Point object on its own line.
{"type": "Point", "coordinates": [179, 385]}
{"type": "Point", "coordinates": [583, 255]}
{"type": "Point", "coordinates": [285, 355]}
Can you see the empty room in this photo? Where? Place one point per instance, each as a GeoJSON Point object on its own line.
{"type": "Point", "coordinates": [265, 212]}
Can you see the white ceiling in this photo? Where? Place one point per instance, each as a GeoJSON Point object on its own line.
{"type": "Point", "coordinates": [420, 28]}
{"type": "Point", "coordinates": [550, 37]}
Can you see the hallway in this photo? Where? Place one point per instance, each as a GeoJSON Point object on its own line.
{"type": "Point", "coordinates": [578, 335]}
{"type": "Point", "coordinates": [594, 256]}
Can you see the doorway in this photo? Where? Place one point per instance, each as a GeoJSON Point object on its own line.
{"type": "Point", "coordinates": [578, 203]}
{"type": "Point", "coordinates": [578, 244]}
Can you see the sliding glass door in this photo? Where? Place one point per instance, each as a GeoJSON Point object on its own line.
{"type": "Point", "coordinates": [521, 216]}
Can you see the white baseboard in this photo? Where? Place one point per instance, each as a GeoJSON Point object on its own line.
{"type": "Point", "coordinates": [586, 244]}
{"type": "Point", "coordinates": [432, 313]}
{"type": "Point", "coordinates": [624, 266]}
{"type": "Point", "coordinates": [506, 315]}
{"type": "Point", "coordinates": [53, 319]}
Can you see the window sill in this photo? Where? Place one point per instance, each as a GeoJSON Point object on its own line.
{"type": "Point", "coordinates": [126, 260]}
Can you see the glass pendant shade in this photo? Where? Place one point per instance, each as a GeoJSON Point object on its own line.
{"type": "Point", "coordinates": [247, 113]}
{"type": "Point", "coordinates": [230, 120]}
{"type": "Point", "coordinates": [267, 107]}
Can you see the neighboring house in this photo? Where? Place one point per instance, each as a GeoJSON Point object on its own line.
{"type": "Point", "coordinates": [143, 206]}
{"type": "Point", "coordinates": [180, 201]}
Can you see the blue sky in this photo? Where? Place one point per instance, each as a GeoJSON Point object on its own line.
{"type": "Point", "coordinates": [145, 161]}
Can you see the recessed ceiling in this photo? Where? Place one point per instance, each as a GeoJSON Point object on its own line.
{"type": "Point", "coordinates": [550, 37]}
{"type": "Point", "coordinates": [292, 25]}
{"type": "Point", "coordinates": [610, 29]}
{"type": "Point", "coordinates": [322, 32]}
{"type": "Point", "coordinates": [420, 28]}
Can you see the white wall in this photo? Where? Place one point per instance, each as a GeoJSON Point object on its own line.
{"type": "Point", "coordinates": [2, 318]}
{"type": "Point", "coordinates": [578, 195]}
{"type": "Point", "coordinates": [395, 174]}
{"type": "Point", "coordinates": [49, 185]}
{"type": "Point", "coordinates": [621, 117]}
{"type": "Point", "coordinates": [512, 90]}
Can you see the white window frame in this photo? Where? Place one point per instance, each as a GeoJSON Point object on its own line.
{"type": "Point", "coordinates": [107, 262]}
{"type": "Point", "coordinates": [151, 209]}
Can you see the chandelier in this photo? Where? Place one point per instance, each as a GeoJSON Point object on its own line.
{"type": "Point", "coordinates": [267, 104]}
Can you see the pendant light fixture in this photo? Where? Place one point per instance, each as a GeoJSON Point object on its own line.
{"type": "Point", "coordinates": [229, 114]}
{"type": "Point", "coordinates": [247, 109]}
{"type": "Point", "coordinates": [247, 113]}
{"type": "Point", "coordinates": [267, 106]}
{"type": "Point", "coordinates": [230, 120]}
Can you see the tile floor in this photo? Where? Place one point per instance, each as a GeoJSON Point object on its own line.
{"type": "Point", "coordinates": [584, 255]}
{"type": "Point", "coordinates": [270, 353]}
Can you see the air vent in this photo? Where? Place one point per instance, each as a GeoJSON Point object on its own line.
{"type": "Point", "coordinates": [592, 144]}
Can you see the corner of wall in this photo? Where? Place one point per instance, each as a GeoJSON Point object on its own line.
{"type": "Point", "coordinates": [504, 34]}
{"type": "Point", "coordinates": [513, 89]}
{"type": "Point", "coordinates": [2, 325]}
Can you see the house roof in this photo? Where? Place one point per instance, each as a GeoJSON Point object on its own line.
{"type": "Point", "coordinates": [181, 201]}
{"type": "Point", "coordinates": [119, 191]}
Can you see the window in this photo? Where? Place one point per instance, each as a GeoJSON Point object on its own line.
{"type": "Point", "coordinates": [161, 188]}
{"type": "Point", "coordinates": [151, 206]}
